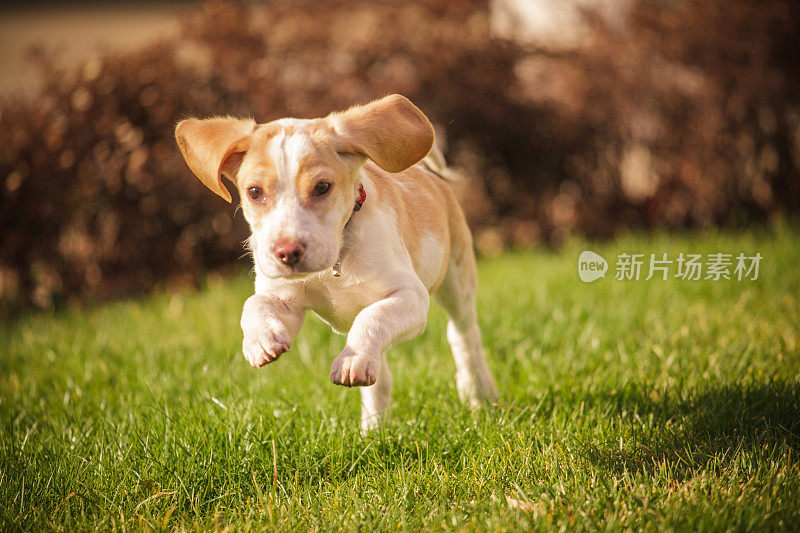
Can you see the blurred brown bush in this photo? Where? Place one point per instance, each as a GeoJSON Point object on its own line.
{"type": "Point", "coordinates": [687, 116]}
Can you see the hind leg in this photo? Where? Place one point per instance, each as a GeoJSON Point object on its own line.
{"type": "Point", "coordinates": [456, 295]}
{"type": "Point", "coordinates": [375, 399]}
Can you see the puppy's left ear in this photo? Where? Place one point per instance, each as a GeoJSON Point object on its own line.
{"type": "Point", "coordinates": [392, 132]}
{"type": "Point", "coordinates": [214, 147]}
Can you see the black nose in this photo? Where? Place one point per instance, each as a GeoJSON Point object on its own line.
{"type": "Point", "coordinates": [289, 253]}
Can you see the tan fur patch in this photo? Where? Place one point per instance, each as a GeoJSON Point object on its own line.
{"type": "Point", "coordinates": [423, 204]}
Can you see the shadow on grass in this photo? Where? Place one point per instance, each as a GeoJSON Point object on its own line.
{"type": "Point", "coordinates": [706, 429]}
{"type": "Point", "coordinates": [713, 428]}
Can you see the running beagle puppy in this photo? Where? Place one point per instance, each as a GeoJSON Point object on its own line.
{"type": "Point", "coordinates": [352, 221]}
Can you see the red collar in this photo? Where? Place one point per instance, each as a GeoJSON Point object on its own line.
{"type": "Point", "coordinates": [362, 195]}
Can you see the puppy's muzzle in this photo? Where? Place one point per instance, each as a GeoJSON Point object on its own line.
{"type": "Point", "coordinates": [289, 253]}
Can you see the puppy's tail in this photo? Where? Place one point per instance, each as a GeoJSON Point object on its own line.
{"type": "Point", "coordinates": [434, 162]}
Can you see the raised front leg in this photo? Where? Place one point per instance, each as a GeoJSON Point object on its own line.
{"type": "Point", "coordinates": [269, 326]}
{"type": "Point", "coordinates": [399, 316]}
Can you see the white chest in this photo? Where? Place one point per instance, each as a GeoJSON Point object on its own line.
{"type": "Point", "coordinates": [339, 300]}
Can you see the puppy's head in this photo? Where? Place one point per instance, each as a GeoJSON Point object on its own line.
{"type": "Point", "coordinates": [298, 179]}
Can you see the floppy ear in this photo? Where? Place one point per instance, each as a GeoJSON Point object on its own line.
{"type": "Point", "coordinates": [214, 147]}
{"type": "Point", "coordinates": [391, 131]}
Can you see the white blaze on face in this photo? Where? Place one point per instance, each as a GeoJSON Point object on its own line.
{"type": "Point", "coordinates": [289, 220]}
{"type": "Point", "coordinates": [286, 152]}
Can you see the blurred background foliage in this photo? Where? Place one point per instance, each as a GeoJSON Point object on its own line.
{"type": "Point", "coordinates": [581, 117]}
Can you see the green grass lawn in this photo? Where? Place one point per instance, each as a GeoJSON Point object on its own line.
{"type": "Point", "coordinates": [650, 404]}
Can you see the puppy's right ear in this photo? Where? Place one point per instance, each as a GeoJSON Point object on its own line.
{"type": "Point", "coordinates": [214, 147]}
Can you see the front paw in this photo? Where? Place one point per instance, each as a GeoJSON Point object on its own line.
{"type": "Point", "coordinates": [355, 370]}
{"type": "Point", "coordinates": [265, 345]}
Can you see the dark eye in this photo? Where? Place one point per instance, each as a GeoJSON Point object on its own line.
{"type": "Point", "coordinates": [255, 193]}
{"type": "Point", "coordinates": [321, 188]}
